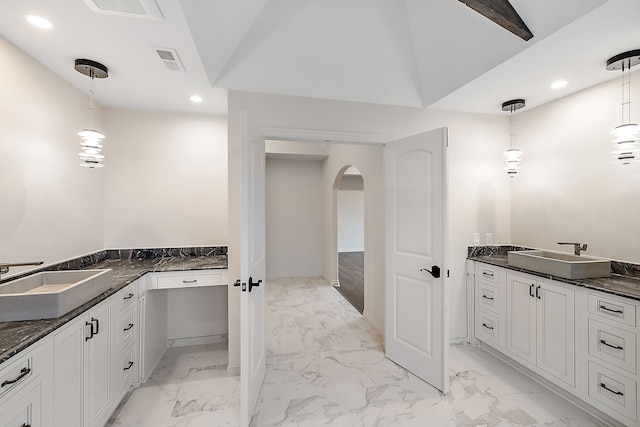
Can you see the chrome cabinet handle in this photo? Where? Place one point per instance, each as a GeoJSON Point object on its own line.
{"type": "Point", "coordinates": [538, 292]}
{"type": "Point", "coordinates": [190, 281]}
{"type": "Point", "coordinates": [23, 373]}
{"type": "Point", "coordinates": [128, 366]}
{"type": "Point", "coordinates": [531, 290]}
{"type": "Point", "coordinates": [90, 324]}
{"type": "Point", "coordinates": [487, 326]}
{"type": "Point", "coordinates": [128, 328]}
{"type": "Point", "coordinates": [129, 296]}
{"type": "Point", "coordinates": [486, 297]}
{"type": "Point", "coordinates": [617, 347]}
{"type": "Point", "coordinates": [485, 274]}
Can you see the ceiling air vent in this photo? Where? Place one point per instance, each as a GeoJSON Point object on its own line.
{"type": "Point", "coordinates": [135, 8]}
{"type": "Point", "coordinates": [170, 58]}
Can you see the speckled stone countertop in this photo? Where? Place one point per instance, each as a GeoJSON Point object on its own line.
{"type": "Point", "coordinates": [127, 267]}
{"type": "Point", "coordinates": [624, 280]}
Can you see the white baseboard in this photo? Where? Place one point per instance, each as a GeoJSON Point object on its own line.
{"type": "Point", "coordinates": [335, 283]}
{"type": "Point", "coordinates": [208, 339]}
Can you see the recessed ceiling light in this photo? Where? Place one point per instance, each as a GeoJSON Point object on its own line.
{"type": "Point", "coordinates": [558, 84]}
{"type": "Point", "coordinates": [196, 98]}
{"type": "Point", "coordinates": [39, 21]}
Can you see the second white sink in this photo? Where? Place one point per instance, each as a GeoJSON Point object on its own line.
{"type": "Point", "coordinates": [51, 294]}
{"type": "Point", "coordinates": [560, 264]}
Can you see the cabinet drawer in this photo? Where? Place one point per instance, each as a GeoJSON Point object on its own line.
{"type": "Point", "coordinates": [127, 328]}
{"type": "Point", "coordinates": [490, 273]}
{"type": "Point", "coordinates": [612, 345]}
{"type": "Point", "coordinates": [22, 369]}
{"type": "Point", "coordinates": [488, 328]}
{"type": "Point", "coordinates": [612, 390]}
{"type": "Point", "coordinates": [126, 370]}
{"type": "Point", "coordinates": [126, 296]}
{"type": "Point", "coordinates": [612, 309]}
{"type": "Point", "coordinates": [489, 297]}
{"type": "Point", "coordinates": [212, 278]}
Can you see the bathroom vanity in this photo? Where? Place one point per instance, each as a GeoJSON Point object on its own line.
{"type": "Point", "coordinates": [580, 337]}
{"type": "Point", "coordinates": [73, 370]}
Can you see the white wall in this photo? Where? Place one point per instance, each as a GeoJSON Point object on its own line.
{"type": "Point", "coordinates": [51, 208]}
{"type": "Point", "coordinates": [479, 199]}
{"type": "Point", "coordinates": [351, 214]}
{"type": "Point", "coordinates": [197, 312]}
{"type": "Point", "coordinates": [166, 179]}
{"type": "Point", "coordinates": [293, 218]}
{"type": "Point", "coordinates": [568, 189]}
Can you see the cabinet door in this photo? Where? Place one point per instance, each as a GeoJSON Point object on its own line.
{"type": "Point", "coordinates": [97, 366]}
{"type": "Point", "coordinates": [68, 356]}
{"type": "Point", "coordinates": [521, 319]}
{"type": "Point", "coordinates": [556, 320]}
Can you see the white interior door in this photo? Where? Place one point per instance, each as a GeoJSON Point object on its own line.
{"type": "Point", "coordinates": [416, 318]}
{"type": "Point", "coordinates": [252, 267]}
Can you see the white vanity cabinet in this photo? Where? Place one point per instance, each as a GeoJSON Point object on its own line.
{"type": "Point", "coordinates": [83, 357]}
{"type": "Point", "coordinates": [27, 387]}
{"type": "Point", "coordinates": [490, 305]}
{"type": "Point", "coordinates": [584, 341]}
{"type": "Point", "coordinates": [540, 326]}
{"type": "Point", "coordinates": [126, 340]}
{"type": "Point", "coordinates": [610, 351]}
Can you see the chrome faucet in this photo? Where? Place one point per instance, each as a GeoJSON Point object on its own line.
{"type": "Point", "coordinates": [4, 267]}
{"type": "Point", "coordinates": [577, 247]}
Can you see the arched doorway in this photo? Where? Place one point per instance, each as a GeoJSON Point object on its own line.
{"type": "Point", "coordinates": [349, 238]}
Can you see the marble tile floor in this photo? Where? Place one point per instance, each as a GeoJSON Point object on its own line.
{"type": "Point", "coordinates": [326, 367]}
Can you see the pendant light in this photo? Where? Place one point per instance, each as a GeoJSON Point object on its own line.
{"type": "Point", "coordinates": [91, 138]}
{"type": "Point", "coordinates": [626, 135]}
{"type": "Point", "coordinates": [513, 155]}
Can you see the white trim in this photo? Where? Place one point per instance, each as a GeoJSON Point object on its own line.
{"type": "Point", "coordinates": [286, 134]}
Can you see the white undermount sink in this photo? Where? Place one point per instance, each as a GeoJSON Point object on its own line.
{"type": "Point", "coordinates": [560, 264]}
{"type": "Point", "coordinates": [51, 294]}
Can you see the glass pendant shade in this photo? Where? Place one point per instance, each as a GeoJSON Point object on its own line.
{"type": "Point", "coordinates": [512, 157]}
{"type": "Point", "coordinates": [91, 147]}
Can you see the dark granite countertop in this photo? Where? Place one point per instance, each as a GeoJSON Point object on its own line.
{"type": "Point", "coordinates": [623, 282]}
{"type": "Point", "coordinates": [16, 336]}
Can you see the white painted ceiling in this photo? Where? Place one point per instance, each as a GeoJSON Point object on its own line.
{"type": "Point", "coordinates": [414, 53]}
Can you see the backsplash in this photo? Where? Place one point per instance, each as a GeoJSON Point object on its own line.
{"type": "Point", "coordinates": [126, 254]}
{"type": "Point", "coordinates": [617, 267]}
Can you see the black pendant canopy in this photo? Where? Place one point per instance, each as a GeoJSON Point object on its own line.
{"type": "Point", "coordinates": [624, 61]}
{"type": "Point", "coordinates": [513, 105]}
{"type": "Point", "coordinates": [91, 68]}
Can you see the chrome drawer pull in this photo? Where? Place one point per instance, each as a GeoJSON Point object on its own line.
{"type": "Point", "coordinates": [23, 373]}
{"type": "Point", "coordinates": [190, 281]}
{"type": "Point", "coordinates": [619, 393]}
{"type": "Point", "coordinates": [486, 297]}
{"type": "Point", "coordinates": [129, 296]}
{"type": "Point", "coordinates": [487, 326]}
{"type": "Point", "coordinates": [25, 425]}
{"type": "Point", "coordinates": [128, 328]}
{"type": "Point", "coordinates": [129, 366]}
{"type": "Point", "coordinates": [617, 347]}
{"type": "Point", "coordinates": [485, 274]}
{"type": "Point", "coordinates": [602, 307]}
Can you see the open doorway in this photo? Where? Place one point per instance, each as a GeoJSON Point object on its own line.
{"type": "Point", "coordinates": [350, 236]}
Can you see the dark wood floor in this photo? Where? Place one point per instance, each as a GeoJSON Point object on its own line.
{"type": "Point", "coordinates": [351, 276]}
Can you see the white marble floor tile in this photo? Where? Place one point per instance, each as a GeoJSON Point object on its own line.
{"type": "Point", "coordinates": [326, 367]}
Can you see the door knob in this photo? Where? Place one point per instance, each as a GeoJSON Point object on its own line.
{"type": "Point", "coordinates": [435, 271]}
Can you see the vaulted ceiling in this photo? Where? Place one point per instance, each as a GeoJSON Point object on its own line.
{"type": "Point", "coordinates": [413, 53]}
